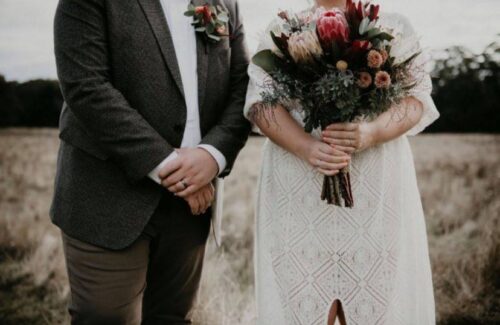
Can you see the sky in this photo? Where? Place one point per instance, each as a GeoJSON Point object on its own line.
{"type": "Point", "coordinates": [26, 43]}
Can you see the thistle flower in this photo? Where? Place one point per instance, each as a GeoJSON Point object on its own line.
{"type": "Point", "coordinates": [304, 46]}
{"type": "Point", "coordinates": [382, 80]}
{"type": "Point", "coordinates": [364, 80]}
{"type": "Point", "coordinates": [342, 65]}
{"type": "Point", "coordinates": [375, 59]}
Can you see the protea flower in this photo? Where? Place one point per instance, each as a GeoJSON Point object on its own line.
{"type": "Point", "coordinates": [332, 27]}
{"type": "Point", "coordinates": [304, 47]}
{"type": "Point", "coordinates": [359, 10]}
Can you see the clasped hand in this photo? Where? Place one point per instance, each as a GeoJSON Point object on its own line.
{"type": "Point", "coordinates": [189, 176]}
{"type": "Point", "coordinates": [339, 142]}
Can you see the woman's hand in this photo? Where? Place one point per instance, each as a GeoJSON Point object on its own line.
{"type": "Point", "coordinates": [324, 158]}
{"type": "Point", "coordinates": [350, 137]}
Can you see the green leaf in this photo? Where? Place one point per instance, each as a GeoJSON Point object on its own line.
{"type": "Point", "coordinates": [266, 60]}
{"type": "Point", "coordinates": [210, 28]}
{"type": "Point", "coordinates": [200, 29]}
{"type": "Point", "coordinates": [223, 17]}
{"type": "Point", "coordinates": [364, 25]}
{"type": "Point", "coordinates": [215, 38]}
{"type": "Point", "coordinates": [385, 36]}
{"type": "Point", "coordinates": [189, 13]}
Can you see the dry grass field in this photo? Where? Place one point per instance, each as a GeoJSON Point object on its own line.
{"type": "Point", "coordinates": [459, 178]}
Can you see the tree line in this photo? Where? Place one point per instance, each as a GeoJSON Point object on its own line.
{"type": "Point", "coordinates": [466, 92]}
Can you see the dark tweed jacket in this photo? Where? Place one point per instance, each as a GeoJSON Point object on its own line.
{"type": "Point", "coordinates": [124, 111]}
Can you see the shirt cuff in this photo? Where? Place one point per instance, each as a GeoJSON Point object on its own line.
{"type": "Point", "coordinates": [155, 173]}
{"type": "Point", "coordinates": [218, 156]}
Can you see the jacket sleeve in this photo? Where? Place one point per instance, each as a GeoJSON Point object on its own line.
{"type": "Point", "coordinates": [83, 67]}
{"type": "Point", "coordinates": [231, 132]}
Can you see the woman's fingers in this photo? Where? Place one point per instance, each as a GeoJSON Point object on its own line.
{"type": "Point", "coordinates": [342, 127]}
{"type": "Point", "coordinates": [346, 150]}
{"type": "Point", "coordinates": [339, 134]}
{"type": "Point", "coordinates": [331, 166]}
{"type": "Point", "coordinates": [344, 143]}
{"type": "Point", "coordinates": [328, 172]}
{"type": "Point", "coordinates": [336, 158]}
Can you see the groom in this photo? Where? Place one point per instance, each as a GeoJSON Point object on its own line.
{"type": "Point", "coordinates": [151, 108]}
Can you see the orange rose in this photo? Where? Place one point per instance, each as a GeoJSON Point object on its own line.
{"type": "Point", "coordinates": [364, 80]}
{"type": "Point", "coordinates": [375, 59]}
{"type": "Point", "coordinates": [382, 80]}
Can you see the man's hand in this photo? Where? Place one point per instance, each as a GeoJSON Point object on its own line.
{"type": "Point", "coordinates": [200, 201]}
{"type": "Point", "coordinates": [189, 172]}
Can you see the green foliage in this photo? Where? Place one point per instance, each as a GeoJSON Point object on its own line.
{"type": "Point", "coordinates": [467, 90]}
{"type": "Point", "coordinates": [34, 103]}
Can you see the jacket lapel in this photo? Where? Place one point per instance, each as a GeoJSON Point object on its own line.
{"type": "Point", "coordinates": [202, 53]}
{"type": "Point", "coordinates": [156, 17]}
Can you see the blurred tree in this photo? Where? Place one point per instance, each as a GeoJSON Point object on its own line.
{"type": "Point", "coordinates": [34, 103]}
{"type": "Point", "coordinates": [466, 91]}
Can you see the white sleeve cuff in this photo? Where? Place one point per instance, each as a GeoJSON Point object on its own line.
{"type": "Point", "coordinates": [218, 156]}
{"type": "Point", "coordinates": [154, 174]}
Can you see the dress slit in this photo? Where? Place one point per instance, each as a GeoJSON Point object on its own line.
{"type": "Point", "coordinates": [336, 312]}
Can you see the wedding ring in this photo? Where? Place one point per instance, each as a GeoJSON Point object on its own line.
{"type": "Point", "coordinates": [183, 182]}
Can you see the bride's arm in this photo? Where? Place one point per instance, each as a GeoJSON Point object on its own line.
{"type": "Point", "coordinates": [410, 117]}
{"type": "Point", "coordinates": [355, 137]}
{"type": "Point", "coordinates": [283, 130]}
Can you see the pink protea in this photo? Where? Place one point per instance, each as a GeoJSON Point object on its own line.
{"type": "Point", "coordinates": [332, 27]}
{"type": "Point", "coordinates": [375, 59]}
{"type": "Point", "coordinates": [382, 80]}
{"type": "Point", "coordinates": [304, 47]}
{"type": "Point", "coordinates": [364, 80]}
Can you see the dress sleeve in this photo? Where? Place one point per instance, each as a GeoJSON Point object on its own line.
{"type": "Point", "coordinates": [258, 76]}
{"type": "Point", "coordinates": [410, 43]}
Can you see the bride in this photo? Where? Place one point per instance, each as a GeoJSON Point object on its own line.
{"type": "Point", "coordinates": [317, 263]}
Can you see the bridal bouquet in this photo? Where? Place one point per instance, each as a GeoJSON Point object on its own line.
{"type": "Point", "coordinates": [339, 66]}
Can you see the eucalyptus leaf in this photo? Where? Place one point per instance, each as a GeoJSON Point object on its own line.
{"type": "Point", "coordinates": [189, 13]}
{"type": "Point", "coordinates": [224, 19]}
{"type": "Point", "coordinates": [214, 37]}
{"type": "Point", "coordinates": [210, 28]}
{"type": "Point", "coordinates": [266, 60]}
{"type": "Point", "coordinates": [200, 29]}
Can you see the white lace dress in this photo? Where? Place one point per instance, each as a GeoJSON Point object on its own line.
{"type": "Point", "coordinates": [373, 258]}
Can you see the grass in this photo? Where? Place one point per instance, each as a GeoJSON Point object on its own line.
{"type": "Point", "coordinates": [459, 179]}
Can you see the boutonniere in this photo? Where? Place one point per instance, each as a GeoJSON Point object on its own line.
{"type": "Point", "coordinates": [211, 21]}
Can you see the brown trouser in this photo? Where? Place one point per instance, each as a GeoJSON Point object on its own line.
{"type": "Point", "coordinates": [154, 281]}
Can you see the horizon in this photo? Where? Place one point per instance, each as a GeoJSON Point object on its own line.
{"type": "Point", "coordinates": [26, 40]}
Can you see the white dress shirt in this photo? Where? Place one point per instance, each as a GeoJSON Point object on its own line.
{"type": "Point", "coordinates": [184, 39]}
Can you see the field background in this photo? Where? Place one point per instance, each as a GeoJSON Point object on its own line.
{"type": "Point", "coordinates": [459, 178]}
